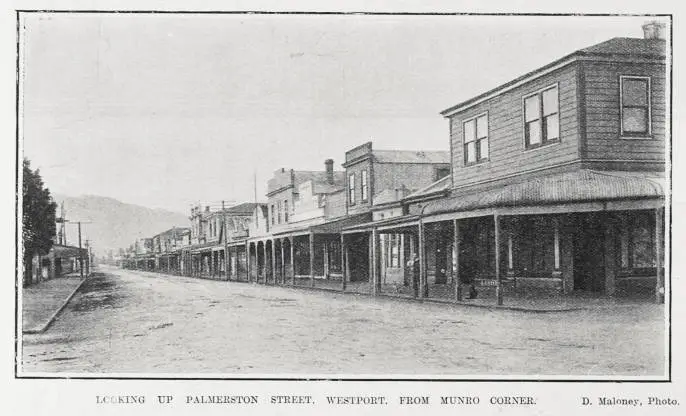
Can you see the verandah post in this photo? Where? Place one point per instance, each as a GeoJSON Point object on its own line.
{"type": "Point", "coordinates": [311, 259]}
{"type": "Point", "coordinates": [264, 260]}
{"type": "Point", "coordinates": [659, 282]}
{"type": "Point", "coordinates": [247, 262]}
{"type": "Point", "coordinates": [344, 265]}
{"type": "Point", "coordinates": [456, 272]}
{"type": "Point", "coordinates": [292, 246]}
{"type": "Point", "coordinates": [274, 261]}
{"type": "Point", "coordinates": [498, 278]}
{"type": "Point", "coordinates": [421, 246]}
{"type": "Point", "coordinates": [282, 268]}
{"type": "Point", "coordinates": [374, 262]}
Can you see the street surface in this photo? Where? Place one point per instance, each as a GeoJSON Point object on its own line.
{"type": "Point", "coordinates": [125, 321]}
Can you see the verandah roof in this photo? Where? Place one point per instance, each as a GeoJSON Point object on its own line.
{"type": "Point", "coordinates": [568, 187]}
{"type": "Point", "coordinates": [330, 227]}
{"type": "Point", "coordinates": [562, 188]}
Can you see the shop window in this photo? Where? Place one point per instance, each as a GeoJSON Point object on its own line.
{"type": "Point", "coordinates": [538, 246]}
{"type": "Point", "coordinates": [637, 242]}
{"type": "Point", "coordinates": [395, 250]}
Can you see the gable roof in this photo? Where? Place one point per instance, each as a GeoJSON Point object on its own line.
{"type": "Point", "coordinates": [628, 46]}
{"type": "Point", "coordinates": [244, 208]}
{"type": "Point", "coordinates": [388, 196]}
{"type": "Point", "coordinates": [411, 156]}
{"type": "Point", "coordinates": [616, 47]}
{"type": "Point", "coordinates": [440, 185]}
{"type": "Point", "coordinates": [320, 181]}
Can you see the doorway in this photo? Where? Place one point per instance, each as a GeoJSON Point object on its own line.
{"type": "Point", "coordinates": [589, 254]}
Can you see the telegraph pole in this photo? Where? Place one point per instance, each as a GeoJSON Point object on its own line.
{"type": "Point", "coordinates": [88, 257]}
{"type": "Point", "coordinates": [64, 228]}
{"type": "Point", "coordinates": [80, 251]}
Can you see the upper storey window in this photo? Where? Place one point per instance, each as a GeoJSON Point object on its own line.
{"type": "Point", "coordinates": [475, 139]}
{"type": "Point", "coordinates": [635, 105]}
{"type": "Point", "coordinates": [351, 189]}
{"type": "Point", "coordinates": [542, 118]}
{"type": "Point", "coordinates": [364, 185]}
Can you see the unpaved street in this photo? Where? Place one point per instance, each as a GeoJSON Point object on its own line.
{"type": "Point", "coordinates": [134, 322]}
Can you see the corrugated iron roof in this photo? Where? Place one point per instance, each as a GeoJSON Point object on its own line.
{"type": "Point", "coordinates": [330, 227]}
{"type": "Point", "coordinates": [440, 185]}
{"type": "Point", "coordinates": [577, 186]}
{"type": "Point", "coordinates": [244, 208]}
{"type": "Point", "coordinates": [632, 46]}
{"type": "Point", "coordinates": [388, 196]}
{"type": "Point", "coordinates": [411, 156]}
{"type": "Point", "coordinates": [67, 251]}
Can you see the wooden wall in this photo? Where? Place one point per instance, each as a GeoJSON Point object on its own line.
{"type": "Point", "coordinates": [601, 89]}
{"type": "Point", "coordinates": [507, 154]}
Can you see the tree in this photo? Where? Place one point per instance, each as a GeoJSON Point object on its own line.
{"type": "Point", "coordinates": [38, 218]}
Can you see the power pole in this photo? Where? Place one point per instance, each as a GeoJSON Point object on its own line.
{"type": "Point", "coordinates": [257, 213]}
{"type": "Point", "coordinates": [88, 257]}
{"type": "Point", "coordinates": [63, 228]}
{"type": "Point", "coordinates": [80, 251]}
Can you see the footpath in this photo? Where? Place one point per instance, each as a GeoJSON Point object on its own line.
{"type": "Point", "coordinates": [42, 302]}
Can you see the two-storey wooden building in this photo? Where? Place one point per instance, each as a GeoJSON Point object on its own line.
{"type": "Point", "coordinates": [557, 181]}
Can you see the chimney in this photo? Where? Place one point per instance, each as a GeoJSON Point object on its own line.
{"type": "Point", "coordinates": [654, 30]}
{"type": "Point", "coordinates": [328, 163]}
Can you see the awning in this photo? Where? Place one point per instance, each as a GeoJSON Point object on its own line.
{"type": "Point", "coordinates": [334, 226]}
{"type": "Point", "coordinates": [390, 223]}
{"type": "Point", "coordinates": [569, 187]}
{"type": "Point", "coordinates": [197, 248]}
{"type": "Point", "coordinates": [67, 251]}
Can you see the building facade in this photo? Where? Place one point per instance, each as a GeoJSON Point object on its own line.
{"type": "Point", "coordinates": [554, 184]}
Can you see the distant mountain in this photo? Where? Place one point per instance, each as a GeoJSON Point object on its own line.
{"type": "Point", "coordinates": [114, 224]}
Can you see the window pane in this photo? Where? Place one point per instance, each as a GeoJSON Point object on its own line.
{"type": "Point", "coordinates": [634, 92]}
{"type": "Point", "coordinates": [483, 149]}
{"type": "Point", "coordinates": [363, 184]}
{"type": "Point", "coordinates": [635, 120]}
{"type": "Point", "coordinates": [543, 246]}
{"type": "Point", "coordinates": [533, 132]}
{"type": "Point", "coordinates": [482, 127]}
{"type": "Point", "coordinates": [643, 247]}
{"type": "Point", "coordinates": [469, 132]}
{"type": "Point", "coordinates": [470, 152]}
{"type": "Point", "coordinates": [552, 127]}
{"type": "Point", "coordinates": [531, 108]}
{"type": "Point", "coordinates": [550, 101]}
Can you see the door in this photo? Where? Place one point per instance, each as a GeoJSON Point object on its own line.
{"type": "Point", "coordinates": [589, 254]}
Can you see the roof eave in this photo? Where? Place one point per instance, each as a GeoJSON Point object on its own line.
{"type": "Point", "coordinates": [539, 72]}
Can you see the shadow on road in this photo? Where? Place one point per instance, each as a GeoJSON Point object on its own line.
{"type": "Point", "coordinates": [99, 292]}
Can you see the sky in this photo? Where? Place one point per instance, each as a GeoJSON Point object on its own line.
{"type": "Point", "coordinates": [170, 110]}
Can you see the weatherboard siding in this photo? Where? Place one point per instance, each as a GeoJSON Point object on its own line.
{"type": "Point", "coordinates": [603, 135]}
{"type": "Point", "coordinates": [507, 154]}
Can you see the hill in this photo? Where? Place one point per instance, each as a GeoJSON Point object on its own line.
{"type": "Point", "coordinates": [114, 224]}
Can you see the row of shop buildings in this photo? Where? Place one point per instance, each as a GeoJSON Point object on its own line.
{"type": "Point", "coordinates": [554, 183]}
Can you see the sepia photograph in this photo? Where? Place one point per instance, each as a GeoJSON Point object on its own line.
{"type": "Point", "coordinates": [343, 196]}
